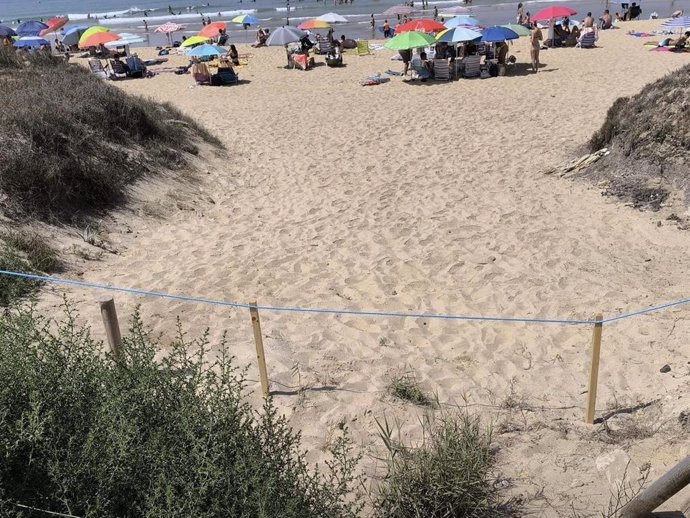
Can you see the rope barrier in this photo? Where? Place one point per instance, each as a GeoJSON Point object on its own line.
{"type": "Point", "coordinates": [360, 313]}
{"type": "Point", "coordinates": [349, 312]}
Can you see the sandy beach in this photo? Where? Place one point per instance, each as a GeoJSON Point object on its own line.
{"type": "Point", "coordinates": [422, 197]}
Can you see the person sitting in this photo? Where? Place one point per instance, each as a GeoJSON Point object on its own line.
{"type": "Point", "coordinates": [136, 66]}
{"type": "Point", "coordinates": [573, 37]}
{"type": "Point", "coordinates": [634, 12]}
{"type": "Point", "coordinates": [260, 39]}
{"type": "Point", "coordinates": [234, 55]}
{"type": "Point", "coordinates": [119, 66]}
{"type": "Point", "coordinates": [222, 37]}
{"type": "Point", "coordinates": [606, 22]}
{"type": "Point", "coordinates": [426, 65]}
{"type": "Point", "coordinates": [618, 17]}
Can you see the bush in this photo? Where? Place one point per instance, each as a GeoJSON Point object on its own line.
{"type": "Point", "coordinates": [448, 475]}
{"type": "Point", "coordinates": [406, 387]}
{"type": "Point", "coordinates": [26, 252]}
{"type": "Point", "coordinates": [85, 434]}
{"type": "Point", "coordinates": [70, 143]}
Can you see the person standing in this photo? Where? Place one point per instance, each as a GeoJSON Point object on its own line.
{"type": "Point", "coordinates": [435, 13]}
{"type": "Point", "coordinates": [372, 24]}
{"type": "Point", "coordinates": [535, 46]}
{"type": "Point", "coordinates": [386, 29]}
{"type": "Point", "coordinates": [520, 16]}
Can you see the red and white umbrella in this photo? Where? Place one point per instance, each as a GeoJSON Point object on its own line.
{"type": "Point", "coordinates": [54, 24]}
{"type": "Point", "coordinates": [169, 27]}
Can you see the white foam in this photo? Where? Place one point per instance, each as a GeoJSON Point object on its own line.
{"type": "Point", "coordinates": [159, 20]}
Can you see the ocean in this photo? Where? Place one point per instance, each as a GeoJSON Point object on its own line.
{"type": "Point", "coordinates": [122, 16]}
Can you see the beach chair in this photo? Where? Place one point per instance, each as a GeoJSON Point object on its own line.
{"type": "Point", "coordinates": [117, 69]}
{"type": "Point", "coordinates": [587, 41]}
{"type": "Point", "coordinates": [324, 47]}
{"type": "Point", "coordinates": [421, 71]}
{"type": "Point", "coordinates": [441, 70]}
{"type": "Point", "coordinates": [300, 61]}
{"type": "Point", "coordinates": [363, 47]}
{"type": "Point", "coordinates": [225, 76]}
{"type": "Point", "coordinates": [201, 74]}
{"type": "Point", "coordinates": [472, 66]}
{"type": "Point", "coordinates": [96, 67]}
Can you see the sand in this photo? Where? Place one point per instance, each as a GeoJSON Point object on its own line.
{"type": "Point", "coordinates": [423, 197]}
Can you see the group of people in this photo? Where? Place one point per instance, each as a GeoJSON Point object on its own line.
{"type": "Point", "coordinates": [261, 37]}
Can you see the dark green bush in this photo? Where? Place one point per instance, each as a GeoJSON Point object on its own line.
{"type": "Point", "coordinates": [71, 144]}
{"type": "Point", "coordinates": [449, 475]}
{"type": "Point", "coordinates": [86, 435]}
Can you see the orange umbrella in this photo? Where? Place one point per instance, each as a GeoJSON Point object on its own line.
{"type": "Point", "coordinates": [211, 30]}
{"type": "Point", "coordinates": [99, 38]}
{"type": "Point", "coordinates": [54, 24]}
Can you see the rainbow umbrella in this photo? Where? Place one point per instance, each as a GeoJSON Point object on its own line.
{"type": "Point", "coordinates": [194, 40]}
{"type": "Point", "coordinates": [91, 31]}
{"type": "Point", "coordinates": [313, 24]}
{"type": "Point", "coordinates": [97, 39]}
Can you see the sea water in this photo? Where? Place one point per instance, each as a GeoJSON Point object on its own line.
{"type": "Point", "coordinates": [144, 17]}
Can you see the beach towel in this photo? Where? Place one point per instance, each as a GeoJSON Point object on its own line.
{"type": "Point", "coordinates": [393, 73]}
{"type": "Point", "coordinates": [374, 80]}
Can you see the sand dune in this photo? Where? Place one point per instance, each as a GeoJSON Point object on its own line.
{"type": "Point", "coordinates": [426, 198]}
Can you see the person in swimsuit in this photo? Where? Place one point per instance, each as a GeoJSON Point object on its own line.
{"type": "Point", "coordinates": [535, 41]}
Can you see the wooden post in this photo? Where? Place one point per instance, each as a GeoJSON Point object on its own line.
{"type": "Point", "coordinates": [112, 327]}
{"type": "Point", "coordinates": [259, 342]}
{"type": "Point", "coordinates": [594, 369]}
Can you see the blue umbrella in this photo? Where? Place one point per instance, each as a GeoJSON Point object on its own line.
{"type": "Point", "coordinates": [6, 32]}
{"type": "Point", "coordinates": [31, 28]}
{"type": "Point", "coordinates": [496, 34]}
{"type": "Point", "coordinates": [206, 51]}
{"type": "Point", "coordinates": [246, 19]}
{"type": "Point", "coordinates": [73, 34]}
{"type": "Point", "coordinates": [466, 21]}
{"type": "Point", "coordinates": [31, 41]}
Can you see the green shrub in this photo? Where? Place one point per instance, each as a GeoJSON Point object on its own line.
{"type": "Point", "coordinates": [71, 144]}
{"type": "Point", "coordinates": [84, 434]}
{"type": "Point", "coordinates": [406, 387]}
{"type": "Point", "coordinates": [448, 475]}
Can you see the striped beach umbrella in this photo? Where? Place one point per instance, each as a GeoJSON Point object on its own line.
{"type": "Point", "coordinates": [169, 27]}
{"type": "Point", "coordinates": [245, 19]}
{"type": "Point", "coordinates": [91, 31]}
{"type": "Point", "coordinates": [97, 39]}
{"type": "Point", "coordinates": [677, 23]}
{"type": "Point", "coordinates": [458, 35]}
{"type": "Point", "coordinates": [313, 24]}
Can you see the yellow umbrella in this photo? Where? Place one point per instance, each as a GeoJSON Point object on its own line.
{"type": "Point", "coordinates": [91, 31]}
{"type": "Point", "coordinates": [195, 40]}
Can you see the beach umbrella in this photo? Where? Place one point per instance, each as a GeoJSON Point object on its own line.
{"type": "Point", "coordinates": [457, 35]}
{"type": "Point", "coordinates": [98, 38]}
{"type": "Point", "coordinates": [462, 21]}
{"type": "Point", "coordinates": [518, 29]}
{"type": "Point", "coordinates": [454, 11]}
{"type": "Point", "coordinates": [422, 25]}
{"type": "Point", "coordinates": [553, 12]}
{"type": "Point", "coordinates": [126, 38]}
{"type": "Point", "coordinates": [206, 51]}
{"type": "Point", "coordinates": [332, 18]}
{"type": "Point", "coordinates": [54, 25]}
{"type": "Point", "coordinates": [6, 32]}
{"type": "Point", "coordinates": [91, 31]}
{"type": "Point", "coordinates": [399, 9]}
{"type": "Point", "coordinates": [496, 34]}
{"type": "Point", "coordinates": [30, 41]}
{"type": "Point", "coordinates": [169, 28]}
{"type": "Point", "coordinates": [73, 35]}
{"type": "Point", "coordinates": [409, 40]}
{"type": "Point", "coordinates": [212, 29]}
{"type": "Point", "coordinates": [30, 28]}
{"type": "Point", "coordinates": [245, 19]}
{"type": "Point", "coordinates": [194, 40]}
{"type": "Point", "coordinates": [313, 24]}
{"type": "Point", "coordinates": [284, 35]}
{"type": "Point", "coordinates": [677, 23]}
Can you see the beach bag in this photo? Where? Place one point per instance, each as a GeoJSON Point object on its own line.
{"type": "Point", "coordinates": [216, 80]}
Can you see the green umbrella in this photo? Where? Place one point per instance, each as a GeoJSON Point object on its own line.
{"type": "Point", "coordinates": [520, 30]}
{"type": "Point", "coordinates": [409, 40]}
